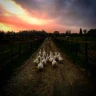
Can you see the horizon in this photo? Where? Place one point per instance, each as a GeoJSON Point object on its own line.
{"type": "Point", "coordinates": [50, 15]}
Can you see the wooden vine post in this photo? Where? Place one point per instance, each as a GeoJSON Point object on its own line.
{"type": "Point", "coordinates": [20, 49]}
{"type": "Point", "coordinates": [71, 45]}
{"type": "Point", "coordinates": [31, 44]}
{"type": "Point", "coordinates": [11, 50]}
{"type": "Point", "coordinates": [77, 47]}
{"type": "Point", "coordinates": [86, 51]}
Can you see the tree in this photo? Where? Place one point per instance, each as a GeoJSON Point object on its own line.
{"type": "Point", "coordinates": [85, 31]}
{"type": "Point", "coordinates": [80, 32]}
{"type": "Point", "coordinates": [92, 32]}
{"type": "Point", "coordinates": [56, 33]}
{"type": "Point", "coordinates": [68, 32]}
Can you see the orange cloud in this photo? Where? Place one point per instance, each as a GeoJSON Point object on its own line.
{"type": "Point", "coordinates": [15, 23]}
{"type": "Point", "coordinates": [14, 8]}
{"type": "Point", "coordinates": [14, 17]}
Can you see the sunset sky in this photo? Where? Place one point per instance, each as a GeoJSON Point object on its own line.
{"type": "Point", "coordinates": [49, 15]}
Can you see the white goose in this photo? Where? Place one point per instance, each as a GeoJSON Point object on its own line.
{"type": "Point", "coordinates": [47, 58]}
{"type": "Point", "coordinates": [40, 53]}
{"type": "Point", "coordinates": [40, 65]}
{"type": "Point", "coordinates": [59, 57]}
{"type": "Point", "coordinates": [36, 61]}
{"type": "Point", "coordinates": [44, 52]}
{"type": "Point", "coordinates": [56, 56]}
{"type": "Point", "coordinates": [51, 57]}
{"type": "Point", "coordinates": [39, 57]}
{"type": "Point", "coordinates": [54, 63]}
{"type": "Point", "coordinates": [44, 60]}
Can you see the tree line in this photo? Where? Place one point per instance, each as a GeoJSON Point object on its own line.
{"type": "Point", "coordinates": [29, 34]}
{"type": "Point", "coordinates": [91, 32]}
{"type": "Point", "coordinates": [21, 35]}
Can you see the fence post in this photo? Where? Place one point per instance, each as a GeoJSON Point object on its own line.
{"type": "Point", "coordinates": [31, 44]}
{"type": "Point", "coordinates": [65, 43]}
{"type": "Point", "coordinates": [70, 44]}
{"type": "Point", "coordinates": [20, 49]}
{"type": "Point", "coordinates": [77, 47]}
{"type": "Point", "coordinates": [11, 51]}
{"type": "Point", "coordinates": [86, 51]}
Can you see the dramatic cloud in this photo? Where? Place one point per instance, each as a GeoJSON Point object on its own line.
{"type": "Point", "coordinates": [49, 15]}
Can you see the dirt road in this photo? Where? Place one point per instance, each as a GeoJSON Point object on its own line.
{"type": "Point", "coordinates": [67, 79]}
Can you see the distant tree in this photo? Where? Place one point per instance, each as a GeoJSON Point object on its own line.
{"type": "Point", "coordinates": [85, 31]}
{"type": "Point", "coordinates": [62, 34]}
{"type": "Point", "coordinates": [68, 32]}
{"type": "Point", "coordinates": [92, 32]}
{"type": "Point", "coordinates": [74, 34]}
{"type": "Point", "coordinates": [56, 33]}
{"type": "Point", "coordinates": [22, 35]}
{"type": "Point", "coordinates": [80, 32]}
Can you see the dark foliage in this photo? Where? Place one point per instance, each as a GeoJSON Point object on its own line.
{"type": "Point", "coordinates": [21, 35]}
{"type": "Point", "coordinates": [92, 32]}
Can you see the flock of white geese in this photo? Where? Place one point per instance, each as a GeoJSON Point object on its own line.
{"type": "Point", "coordinates": [43, 59]}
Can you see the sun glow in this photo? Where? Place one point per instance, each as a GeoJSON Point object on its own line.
{"type": "Point", "coordinates": [5, 28]}
{"type": "Point", "coordinates": [11, 7]}
{"type": "Point", "coordinates": [32, 20]}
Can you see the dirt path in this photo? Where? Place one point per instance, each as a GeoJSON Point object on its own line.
{"type": "Point", "coordinates": [66, 80]}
